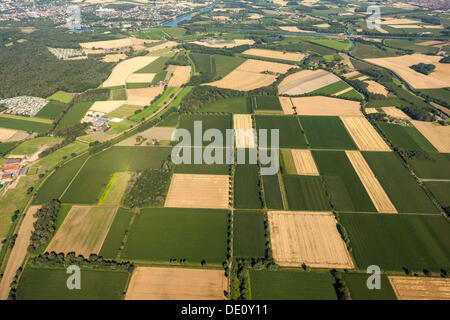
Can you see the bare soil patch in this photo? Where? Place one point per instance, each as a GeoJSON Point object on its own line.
{"type": "Point", "coordinates": [176, 284]}
{"type": "Point", "coordinates": [311, 238]}
{"type": "Point", "coordinates": [198, 191]}
{"type": "Point", "coordinates": [306, 81]}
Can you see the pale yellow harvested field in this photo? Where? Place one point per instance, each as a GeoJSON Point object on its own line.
{"type": "Point", "coordinates": [399, 21]}
{"type": "Point", "coordinates": [364, 135]}
{"type": "Point", "coordinates": [373, 187]}
{"type": "Point", "coordinates": [440, 78]}
{"type": "Point", "coordinates": [311, 238]}
{"type": "Point", "coordinates": [198, 191]}
{"type": "Point", "coordinates": [381, 30]}
{"type": "Point", "coordinates": [108, 44]}
{"type": "Point", "coordinates": [227, 44]}
{"type": "Point", "coordinates": [326, 106]}
{"type": "Point", "coordinates": [295, 29]}
{"type": "Point", "coordinates": [286, 105]}
{"type": "Point", "coordinates": [304, 162]}
{"type": "Point", "coordinates": [176, 284]}
{"type": "Point", "coordinates": [141, 77]}
{"type": "Point", "coordinates": [255, 16]}
{"type": "Point", "coordinates": [280, 2]}
{"type": "Point", "coordinates": [438, 135]}
{"type": "Point", "coordinates": [245, 137]}
{"type": "Point", "coordinates": [123, 70]}
{"type": "Point", "coordinates": [375, 87]}
{"type": "Point", "coordinates": [115, 194]}
{"type": "Point", "coordinates": [114, 57]}
{"type": "Point", "coordinates": [83, 231]}
{"type": "Point", "coordinates": [433, 27]}
{"type": "Point", "coordinates": [306, 81]}
{"type": "Point", "coordinates": [18, 252]}
{"type": "Point", "coordinates": [347, 60]}
{"type": "Point", "coordinates": [93, 51]}
{"type": "Point", "coordinates": [259, 66]}
{"type": "Point", "coordinates": [6, 134]}
{"type": "Point", "coordinates": [406, 26]}
{"type": "Point", "coordinates": [362, 78]}
{"type": "Point", "coordinates": [441, 45]}
{"type": "Point", "coordinates": [106, 106]}
{"type": "Point", "coordinates": [429, 43]}
{"type": "Point", "coordinates": [168, 44]}
{"type": "Point", "coordinates": [371, 110]}
{"type": "Point", "coordinates": [419, 288]}
{"type": "Point", "coordinates": [343, 91]}
{"type": "Point", "coordinates": [221, 18]}
{"type": "Point", "coordinates": [322, 25]}
{"type": "Point", "coordinates": [275, 54]}
{"type": "Point", "coordinates": [351, 74]}
{"type": "Point", "coordinates": [249, 76]}
{"type": "Point", "coordinates": [395, 113]}
{"type": "Point", "coordinates": [143, 96]}
{"type": "Point", "coordinates": [180, 76]}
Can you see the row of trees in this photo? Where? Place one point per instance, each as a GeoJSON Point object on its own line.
{"type": "Point", "coordinates": [45, 224]}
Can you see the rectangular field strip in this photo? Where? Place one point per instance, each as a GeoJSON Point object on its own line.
{"type": "Point", "coordinates": [364, 135]}
{"type": "Point", "coordinates": [304, 162]}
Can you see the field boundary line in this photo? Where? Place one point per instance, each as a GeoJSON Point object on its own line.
{"type": "Point", "coordinates": [71, 181]}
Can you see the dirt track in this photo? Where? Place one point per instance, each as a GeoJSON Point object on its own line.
{"type": "Point", "coordinates": [176, 284]}
{"type": "Point", "coordinates": [18, 252]}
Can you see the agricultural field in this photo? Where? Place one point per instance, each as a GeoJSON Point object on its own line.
{"type": "Point", "coordinates": [441, 191]}
{"type": "Point", "coordinates": [273, 197]}
{"type": "Point", "coordinates": [230, 105]}
{"type": "Point", "coordinates": [357, 284]}
{"type": "Point", "coordinates": [61, 96]}
{"type": "Point", "coordinates": [51, 110]}
{"type": "Point", "coordinates": [343, 185]}
{"type": "Point", "coordinates": [50, 284]}
{"type": "Point", "coordinates": [364, 135]}
{"type": "Point", "coordinates": [306, 81]}
{"type": "Point", "coordinates": [75, 114]}
{"type": "Point", "coordinates": [404, 192]}
{"type": "Point", "coordinates": [248, 233]}
{"type": "Point", "coordinates": [325, 106]}
{"type": "Point", "coordinates": [291, 285]}
{"type": "Point", "coordinates": [24, 123]}
{"type": "Point", "coordinates": [29, 147]}
{"type": "Point", "coordinates": [408, 138]}
{"type": "Point", "coordinates": [309, 238]}
{"type": "Point", "coordinates": [264, 104]}
{"type": "Point", "coordinates": [414, 288]}
{"type": "Point", "coordinates": [305, 193]}
{"type": "Point", "coordinates": [185, 284]}
{"type": "Point", "coordinates": [247, 184]}
{"type": "Point", "coordinates": [161, 234]}
{"type": "Point", "coordinates": [290, 134]}
{"type": "Point", "coordinates": [113, 241]}
{"type": "Point", "coordinates": [414, 242]}
{"type": "Point", "coordinates": [326, 133]}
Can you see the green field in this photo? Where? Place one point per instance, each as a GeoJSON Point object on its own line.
{"type": "Point", "coordinates": [5, 146]}
{"type": "Point", "coordinates": [161, 33]}
{"type": "Point", "coordinates": [357, 284]}
{"type": "Point", "coordinates": [247, 194]}
{"type": "Point", "coordinates": [170, 121]}
{"type": "Point", "coordinates": [75, 114]}
{"type": "Point", "coordinates": [415, 242]}
{"type": "Point", "coordinates": [28, 147]}
{"type": "Point", "coordinates": [272, 192]}
{"type": "Point", "coordinates": [156, 66]}
{"type": "Point", "coordinates": [50, 284]}
{"type": "Point", "coordinates": [229, 105]}
{"type": "Point", "coordinates": [202, 63]}
{"type": "Point", "coordinates": [305, 193]}
{"type": "Point", "coordinates": [332, 88]}
{"type": "Point", "coordinates": [291, 285]}
{"type": "Point", "coordinates": [287, 162]}
{"type": "Point", "coordinates": [248, 234]}
{"type": "Point", "coordinates": [408, 138]}
{"type": "Point", "coordinates": [56, 183]}
{"type": "Point", "coordinates": [220, 122]}
{"type": "Point", "coordinates": [352, 94]}
{"type": "Point", "coordinates": [51, 110]}
{"type": "Point", "coordinates": [23, 123]}
{"type": "Point", "coordinates": [343, 184]}
{"type": "Point", "coordinates": [333, 44]}
{"type": "Point", "coordinates": [404, 192]}
{"type": "Point", "coordinates": [290, 135]}
{"type": "Point", "coordinates": [157, 104]}
{"type": "Point", "coordinates": [59, 156]}
{"type": "Point", "coordinates": [326, 133]}
{"type": "Point", "coordinates": [118, 94]}
{"type": "Point", "coordinates": [93, 178]}
{"type": "Point", "coordinates": [433, 166]}
{"type": "Point", "coordinates": [61, 96]}
{"type": "Point", "coordinates": [225, 64]}
{"type": "Point", "coordinates": [440, 190]}
{"type": "Point", "coordinates": [116, 234]}
{"type": "Point", "coordinates": [266, 103]}
{"type": "Point", "coordinates": [161, 234]}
